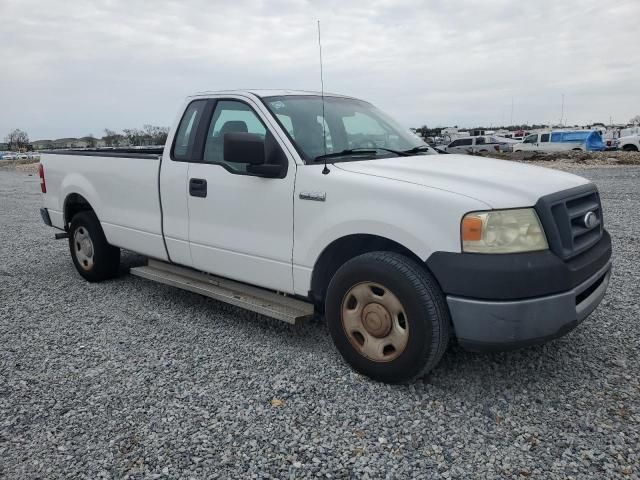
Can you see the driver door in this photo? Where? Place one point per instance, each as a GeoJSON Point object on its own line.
{"type": "Point", "coordinates": [240, 224]}
{"type": "Point", "coordinates": [530, 142]}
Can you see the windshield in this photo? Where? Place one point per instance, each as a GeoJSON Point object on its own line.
{"type": "Point", "coordinates": [347, 125]}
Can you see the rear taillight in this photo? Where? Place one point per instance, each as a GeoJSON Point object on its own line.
{"type": "Point", "coordinates": [497, 147]}
{"type": "Point", "coordinates": [43, 185]}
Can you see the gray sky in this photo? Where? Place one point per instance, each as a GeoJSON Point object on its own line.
{"type": "Point", "coordinates": [74, 68]}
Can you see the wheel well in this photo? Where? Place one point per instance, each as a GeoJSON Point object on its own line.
{"type": "Point", "coordinates": [75, 203]}
{"type": "Point", "coordinates": [630, 147]}
{"type": "Point", "coordinates": [341, 251]}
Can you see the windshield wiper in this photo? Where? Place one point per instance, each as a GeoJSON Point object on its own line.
{"type": "Point", "coordinates": [359, 151]}
{"type": "Point", "coordinates": [418, 149]}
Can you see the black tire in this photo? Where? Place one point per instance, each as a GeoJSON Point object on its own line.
{"type": "Point", "coordinates": [105, 260]}
{"type": "Point", "coordinates": [630, 148]}
{"type": "Point", "coordinates": [427, 315]}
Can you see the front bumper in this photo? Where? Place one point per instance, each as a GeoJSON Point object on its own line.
{"type": "Point", "coordinates": [504, 325]}
{"type": "Point", "coordinates": [500, 302]}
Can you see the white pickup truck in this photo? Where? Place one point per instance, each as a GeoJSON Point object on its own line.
{"type": "Point", "coordinates": [629, 143]}
{"type": "Point", "coordinates": [289, 203]}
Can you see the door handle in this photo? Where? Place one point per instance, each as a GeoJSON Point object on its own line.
{"type": "Point", "coordinates": [198, 187]}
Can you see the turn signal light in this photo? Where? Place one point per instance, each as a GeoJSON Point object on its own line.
{"type": "Point", "coordinates": [471, 229]}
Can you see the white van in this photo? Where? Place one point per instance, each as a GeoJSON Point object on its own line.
{"type": "Point", "coordinates": [480, 144]}
{"type": "Point", "coordinates": [583, 140]}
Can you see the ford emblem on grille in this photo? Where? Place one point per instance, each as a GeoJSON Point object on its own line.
{"type": "Point", "coordinates": [590, 220]}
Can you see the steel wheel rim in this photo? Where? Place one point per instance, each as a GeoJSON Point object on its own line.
{"type": "Point", "coordinates": [374, 321]}
{"type": "Point", "coordinates": [83, 248]}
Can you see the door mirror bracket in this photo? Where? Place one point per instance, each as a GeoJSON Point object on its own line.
{"type": "Point", "coordinates": [267, 170]}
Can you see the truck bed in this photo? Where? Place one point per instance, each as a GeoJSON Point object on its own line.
{"type": "Point", "coordinates": [121, 185]}
{"type": "Point", "coordinates": [111, 152]}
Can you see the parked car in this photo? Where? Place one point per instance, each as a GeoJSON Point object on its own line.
{"type": "Point", "coordinates": [481, 144]}
{"type": "Point", "coordinates": [629, 143]}
{"type": "Point", "coordinates": [505, 144]}
{"type": "Point", "coordinates": [560, 141]}
{"type": "Point", "coordinates": [398, 247]}
{"type": "Point", "coordinates": [441, 149]}
{"type": "Point", "coordinates": [9, 156]}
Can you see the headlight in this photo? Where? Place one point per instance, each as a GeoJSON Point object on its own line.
{"type": "Point", "coordinates": [502, 231]}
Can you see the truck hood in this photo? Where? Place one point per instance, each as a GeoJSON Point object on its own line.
{"type": "Point", "coordinates": [498, 183]}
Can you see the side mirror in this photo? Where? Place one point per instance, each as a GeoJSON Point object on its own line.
{"type": "Point", "coordinates": [242, 147]}
{"type": "Point", "coordinates": [249, 148]}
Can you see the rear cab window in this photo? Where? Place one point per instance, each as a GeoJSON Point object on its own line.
{"type": "Point", "coordinates": [184, 140]}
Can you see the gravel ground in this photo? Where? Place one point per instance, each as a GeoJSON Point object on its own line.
{"type": "Point", "coordinates": [132, 379]}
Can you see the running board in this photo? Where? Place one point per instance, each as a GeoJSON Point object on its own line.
{"type": "Point", "coordinates": [259, 300]}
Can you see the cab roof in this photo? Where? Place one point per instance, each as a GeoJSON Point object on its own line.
{"type": "Point", "coordinates": [272, 93]}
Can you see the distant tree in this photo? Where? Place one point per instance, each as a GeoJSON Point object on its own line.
{"type": "Point", "coordinates": [17, 139]}
{"type": "Point", "coordinates": [111, 138]}
{"type": "Point", "coordinates": [423, 131]}
{"type": "Point", "coordinates": [154, 135]}
{"type": "Point", "coordinates": [161, 135]}
{"type": "Point", "coordinates": [635, 120]}
{"type": "Point", "coordinates": [91, 141]}
{"type": "Point", "coordinates": [133, 136]}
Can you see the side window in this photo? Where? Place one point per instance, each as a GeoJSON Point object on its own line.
{"type": "Point", "coordinates": [466, 141]}
{"type": "Point", "coordinates": [556, 137]}
{"type": "Point", "coordinates": [531, 139]}
{"type": "Point", "coordinates": [230, 116]}
{"type": "Point", "coordinates": [544, 137]}
{"type": "Point", "coordinates": [480, 141]}
{"type": "Point", "coordinates": [186, 133]}
{"type": "Point", "coordinates": [455, 143]}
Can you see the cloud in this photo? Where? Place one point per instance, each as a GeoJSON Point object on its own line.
{"type": "Point", "coordinates": [73, 68]}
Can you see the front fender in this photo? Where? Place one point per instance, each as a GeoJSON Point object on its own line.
{"type": "Point", "coordinates": [419, 218]}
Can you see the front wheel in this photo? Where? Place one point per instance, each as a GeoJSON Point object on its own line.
{"type": "Point", "coordinates": [92, 255]}
{"type": "Point", "coordinates": [387, 317]}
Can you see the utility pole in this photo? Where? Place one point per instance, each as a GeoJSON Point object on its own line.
{"type": "Point", "coordinates": [511, 121]}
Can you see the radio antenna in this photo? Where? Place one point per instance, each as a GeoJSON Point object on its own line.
{"type": "Point", "coordinates": [325, 170]}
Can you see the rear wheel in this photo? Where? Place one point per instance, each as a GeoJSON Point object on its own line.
{"type": "Point", "coordinates": [387, 317]}
{"type": "Point", "coordinates": [92, 255]}
{"type": "Point", "coordinates": [630, 148]}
